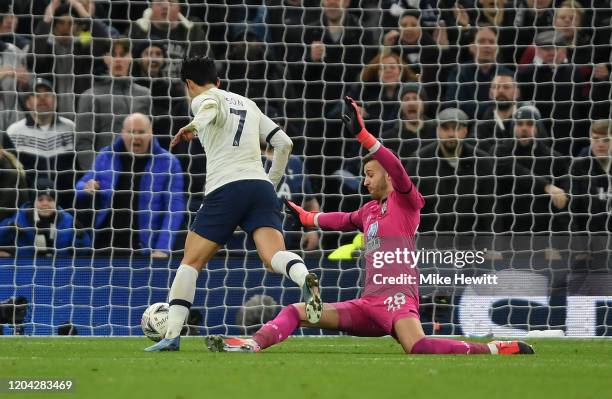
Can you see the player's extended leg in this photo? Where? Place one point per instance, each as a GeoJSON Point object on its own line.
{"type": "Point", "coordinates": [275, 331]}
{"type": "Point", "coordinates": [198, 251]}
{"type": "Point", "coordinates": [271, 249]}
{"type": "Point", "coordinates": [409, 333]}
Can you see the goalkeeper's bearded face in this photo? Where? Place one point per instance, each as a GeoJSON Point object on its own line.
{"type": "Point", "coordinates": [377, 180]}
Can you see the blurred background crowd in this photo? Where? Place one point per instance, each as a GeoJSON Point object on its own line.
{"type": "Point", "coordinates": [499, 109]}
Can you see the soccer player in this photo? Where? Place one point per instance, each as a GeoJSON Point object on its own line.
{"type": "Point", "coordinates": [238, 192]}
{"type": "Point", "coordinates": [389, 221]}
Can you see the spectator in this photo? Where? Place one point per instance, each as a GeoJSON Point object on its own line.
{"type": "Point", "coordinates": [337, 48]}
{"type": "Point", "coordinates": [569, 19]}
{"type": "Point", "coordinates": [29, 14]}
{"type": "Point", "coordinates": [13, 184]}
{"type": "Point", "coordinates": [248, 73]}
{"type": "Point", "coordinates": [170, 112]}
{"type": "Point", "coordinates": [163, 23]}
{"type": "Point", "coordinates": [591, 183]}
{"type": "Point", "coordinates": [413, 130]}
{"type": "Point", "coordinates": [417, 49]}
{"type": "Point", "coordinates": [284, 22]}
{"type": "Point", "coordinates": [557, 89]}
{"type": "Point", "coordinates": [496, 122]}
{"type": "Point", "coordinates": [500, 15]}
{"type": "Point", "coordinates": [136, 189]}
{"type": "Point", "coordinates": [90, 6]}
{"type": "Point", "coordinates": [469, 84]}
{"type": "Point", "coordinates": [568, 23]}
{"type": "Point", "coordinates": [42, 228]}
{"type": "Point", "coordinates": [14, 79]}
{"type": "Point", "coordinates": [455, 179]}
{"type": "Point", "coordinates": [456, 28]}
{"type": "Point", "coordinates": [170, 107]}
{"type": "Point", "coordinates": [429, 13]}
{"type": "Point", "coordinates": [535, 170]}
{"type": "Point", "coordinates": [591, 204]}
{"type": "Point", "coordinates": [382, 82]}
{"type": "Point", "coordinates": [44, 142]}
{"type": "Point", "coordinates": [532, 17]}
{"type": "Point", "coordinates": [8, 25]}
{"type": "Point", "coordinates": [86, 9]}
{"type": "Point", "coordinates": [113, 96]}
{"type": "Point", "coordinates": [67, 43]}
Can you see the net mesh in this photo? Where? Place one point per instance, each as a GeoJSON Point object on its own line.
{"type": "Point", "coordinates": [519, 89]}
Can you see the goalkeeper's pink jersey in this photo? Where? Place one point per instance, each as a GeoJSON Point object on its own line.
{"type": "Point", "coordinates": [389, 227]}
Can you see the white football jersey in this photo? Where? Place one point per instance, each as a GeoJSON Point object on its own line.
{"type": "Point", "coordinates": [231, 138]}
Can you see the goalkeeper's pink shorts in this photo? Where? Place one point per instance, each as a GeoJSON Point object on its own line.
{"type": "Point", "coordinates": [374, 316]}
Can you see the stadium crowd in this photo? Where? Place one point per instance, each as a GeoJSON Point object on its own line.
{"type": "Point", "coordinates": [499, 109]}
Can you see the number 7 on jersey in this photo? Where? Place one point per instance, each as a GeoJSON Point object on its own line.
{"type": "Point", "coordinates": [242, 114]}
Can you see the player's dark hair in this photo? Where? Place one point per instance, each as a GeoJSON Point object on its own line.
{"type": "Point", "coordinates": [201, 70]}
{"type": "Point", "coordinates": [367, 159]}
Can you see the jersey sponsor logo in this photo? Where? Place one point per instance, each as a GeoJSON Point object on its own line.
{"type": "Point", "coordinates": [372, 230]}
{"type": "Point", "coordinates": [372, 241]}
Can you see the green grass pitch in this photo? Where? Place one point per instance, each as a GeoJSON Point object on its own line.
{"type": "Point", "coordinates": [342, 367]}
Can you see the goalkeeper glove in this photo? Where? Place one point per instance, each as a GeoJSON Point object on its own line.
{"type": "Point", "coordinates": [305, 218]}
{"type": "Point", "coordinates": [354, 123]}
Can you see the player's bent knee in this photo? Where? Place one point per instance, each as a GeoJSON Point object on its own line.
{"type": "Point", "coordinates": [268, 241]}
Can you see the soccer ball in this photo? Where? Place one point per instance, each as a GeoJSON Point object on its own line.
{"type": "Point", "coordinates": [154, 321]}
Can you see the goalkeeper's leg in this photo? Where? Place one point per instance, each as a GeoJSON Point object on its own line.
{"type": "Point", "coordinates": [409, 333]}
{"type": "Point", "coordinates": [275, 331]}
{"type": "Point", "coordinates": [198, 251]}
{"type": "Point", "coordinates": [271, 249]}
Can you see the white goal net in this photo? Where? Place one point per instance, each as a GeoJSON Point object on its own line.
{"type": "Point", "coordinates": [500, 111]}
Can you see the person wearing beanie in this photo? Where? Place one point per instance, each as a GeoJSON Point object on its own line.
{"type": "Point", "coordinates": [414, 129]}
{"type": "Point", "coordinates": [44, 141]}
{"type": "Point", "coordinates": [41, 227]}
{"type": "Point", "coordinates": [532, 161]}
{"type": "Point", "coordinates": [455, 178]}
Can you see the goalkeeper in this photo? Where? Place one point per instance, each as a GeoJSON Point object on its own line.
{"type": "Point", "coordinates": [389, 222]}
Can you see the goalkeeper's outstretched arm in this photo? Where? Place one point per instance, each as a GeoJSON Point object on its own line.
{"type": "Point", "coordinates": [336, 221]}
{"type": "Point", "coordinates": [390, 163]}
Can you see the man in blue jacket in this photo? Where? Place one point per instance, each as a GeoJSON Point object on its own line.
{"type": "Point", "coordinates": [41, 228]}
{"type": "Point", "coordinates": [136, 191]}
